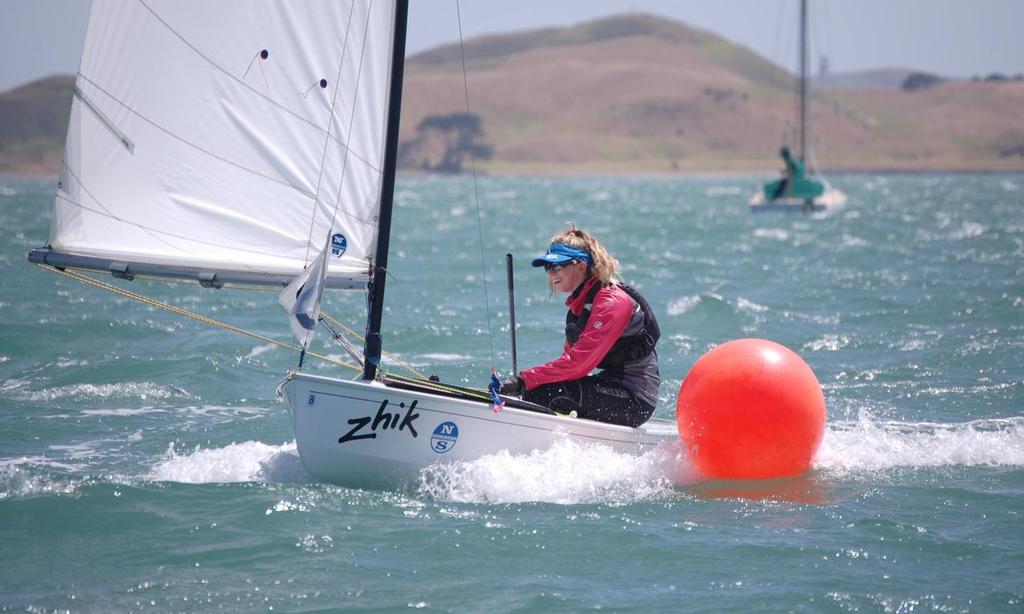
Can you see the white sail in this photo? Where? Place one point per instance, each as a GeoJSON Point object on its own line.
{"type": "Point", "coordinates": [186, 147]}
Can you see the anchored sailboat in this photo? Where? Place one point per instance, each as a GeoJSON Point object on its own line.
{"type": "Point", "coordinates": [240, 143]}
{"type": "Point", "coordinates": [798, 190]}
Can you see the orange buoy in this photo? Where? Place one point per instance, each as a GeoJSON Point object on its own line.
{"type": "Point", "coordinates": [751, 409]}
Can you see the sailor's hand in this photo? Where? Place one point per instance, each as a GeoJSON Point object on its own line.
{"type": "Point", "coordinates": [512, 386]}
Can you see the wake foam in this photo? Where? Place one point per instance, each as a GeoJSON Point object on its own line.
{"type": "Point", "coordinates": [568, 473]}
{"type": "Point", "coordinates": [250, 461]}
{"type": "Point", "coordinates": [870, 444]}
{"type": "Point", "coordinates": [25, 480]}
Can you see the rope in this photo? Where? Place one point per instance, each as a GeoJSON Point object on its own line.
{"type": "Point", "coordinates": [420, 380]}
{"type": "Point", "coordinates": [439, 387]}
{"type": "Point", "coordinates": [188, 314]}
{"type": "Point", "coordinates": [387, 355]}
{"type": "Point", "coordinates": [476, 195]}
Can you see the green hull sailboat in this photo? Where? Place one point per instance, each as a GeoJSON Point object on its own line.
{"type": "Point", "coordinates": [797, 190]}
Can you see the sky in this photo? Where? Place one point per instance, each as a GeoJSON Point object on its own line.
{"type": "Point", "coordinates": [951, 38]}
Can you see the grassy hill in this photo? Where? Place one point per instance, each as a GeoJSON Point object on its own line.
{"type": "Point", "coordinates": [639, 93]}
{"type": "Point", "coordinates": [33, 119]}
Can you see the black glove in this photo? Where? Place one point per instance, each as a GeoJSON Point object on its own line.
{"type": "Point", "coordinates": [512, 386]}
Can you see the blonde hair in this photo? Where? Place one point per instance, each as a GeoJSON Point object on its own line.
{"type": "Point", "coordinates": [605, 267]}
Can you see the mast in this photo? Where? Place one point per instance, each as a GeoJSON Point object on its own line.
{"type": "Point", "coordinates": [803, 79]}
{"type": "Point", "coordinates": [378, 274]}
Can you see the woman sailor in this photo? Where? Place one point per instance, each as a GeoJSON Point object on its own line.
{"type": "Point", "coordinates": [609, 326]}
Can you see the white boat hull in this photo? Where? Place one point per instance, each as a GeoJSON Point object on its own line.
{"type": "Point", "coordinates": [829, 200]}
{"type": "Point", "coordinates": [363, 434]}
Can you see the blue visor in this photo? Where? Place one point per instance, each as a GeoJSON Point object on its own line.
{"type": "Point", "coordinates": [559, 253]}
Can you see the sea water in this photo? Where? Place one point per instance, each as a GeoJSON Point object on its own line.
{"type": "Point", "coordinates": [146, 463]}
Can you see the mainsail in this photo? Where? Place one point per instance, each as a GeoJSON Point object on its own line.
{"type": "Point", "coordinates": [223, 141]}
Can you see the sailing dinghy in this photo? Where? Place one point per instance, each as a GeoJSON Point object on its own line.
{"type": "Point", "coordinates": [798, 189]}
{"type": "Point", "coordinates": [253, 143]}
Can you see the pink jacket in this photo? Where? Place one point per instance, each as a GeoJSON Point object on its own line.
{"type": "Point", "coordinates": [609, 316]}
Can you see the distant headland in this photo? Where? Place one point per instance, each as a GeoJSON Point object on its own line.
{"type": "Point", "coordinates": [636, 94]}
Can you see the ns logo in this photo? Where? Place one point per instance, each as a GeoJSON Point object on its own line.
{"type": "Point", "coordinates": [444, 437]}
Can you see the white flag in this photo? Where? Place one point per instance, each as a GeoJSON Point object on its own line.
{"type": "Point", "coordinates": [301, 298]}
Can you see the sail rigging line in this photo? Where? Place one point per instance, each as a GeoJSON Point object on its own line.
{"type": "Point", "coordinates": [179, 311]}
{"type": "Point", "coordinates": [476, 194]}
{"type": "Point", "coordinates": [354, 352]}
{"type": "Point", "coordinates": [473, 393]}
{"type": "Point", "coordinates": [814, 36]}
{"type": "Point", "coordinates": [330, 124]}
{"type": "Point", "coordinates": [228, 73]}
{"type": "Point", "coordinates": [352, 115]}
{"type": "Point", "coordinates": [92, 281]}
{"type": "Point", "coordinates": [387, 355]}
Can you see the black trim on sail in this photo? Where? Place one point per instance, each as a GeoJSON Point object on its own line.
{"type": "Point", "coordinates": [378, 274]}
{"type": "Point", "coordinates": [208, 278]}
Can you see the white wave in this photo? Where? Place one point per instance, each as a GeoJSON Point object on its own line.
{"type": "Point", "coordinates": [828, 343]}
{"type": "Point", "coordinates": [743, 304]}
{"type": "Point", "coordinates": [287, 506]}
{"type": "Point", "coordinates": [968, 230]}
{"type": "Point", "coordinates": [433, 357]}
{"type": "Point", "coordinates": [38, 461]}
{"type": "Point", "coordinates": [567, 473]}
{"type": "Point", "coordinates": [259, 350]}
{"type": "Point", "coordinates": [123, 411]}
{"type": "Point", "coordinates": [870, 444]}
{"type": "Point", "coordinates": [250, 461]}
{"type": "Point", "coordinates": [852, 241]}
{"type": "Point", "coordinates": [21, 478]}
{"type": "Point", "coordinates": [777, 234]}
{"type": "Point", "coordinates": [139, 390]}
{"type": "Point", "coordinates": [681, 305]}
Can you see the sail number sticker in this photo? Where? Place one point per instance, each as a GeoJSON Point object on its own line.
{"type": "Point", "coordinates": [338, 244]}
{"type": "Point", "coordinates": [444, 437]}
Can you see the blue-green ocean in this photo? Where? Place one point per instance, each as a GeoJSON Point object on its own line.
{"type": "Point", "coordinates": [146, 463]}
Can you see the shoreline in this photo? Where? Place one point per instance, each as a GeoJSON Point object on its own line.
{"type": "Point", "coordinates": [622, 174]}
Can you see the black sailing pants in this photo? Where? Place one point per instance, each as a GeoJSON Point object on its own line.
{"type": "Point", "coordinates": [592, 399]}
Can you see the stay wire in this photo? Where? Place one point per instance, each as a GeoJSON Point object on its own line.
{"type": "Point", "coordinates": [185, 313]}
{"type": "Point", "coordinates": [327, 141]}
{"type": "Point", "coordinates": [476, 195]}
{"type": "Point", "coordinates": [421, 380]}
{"type": "Point", "coordinates": [325, 318]}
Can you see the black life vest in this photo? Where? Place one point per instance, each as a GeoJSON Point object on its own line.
{"type": "Point", "coordinates": [626, 348]}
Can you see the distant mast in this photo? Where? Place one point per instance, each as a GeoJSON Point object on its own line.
{"type": "Point", "coordinates": [798, 189]}
{"type": "Point", "coordinates": [803, 81]}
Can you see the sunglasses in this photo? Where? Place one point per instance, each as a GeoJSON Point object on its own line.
{"type": "Point", "coordinates": [554, 268]}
